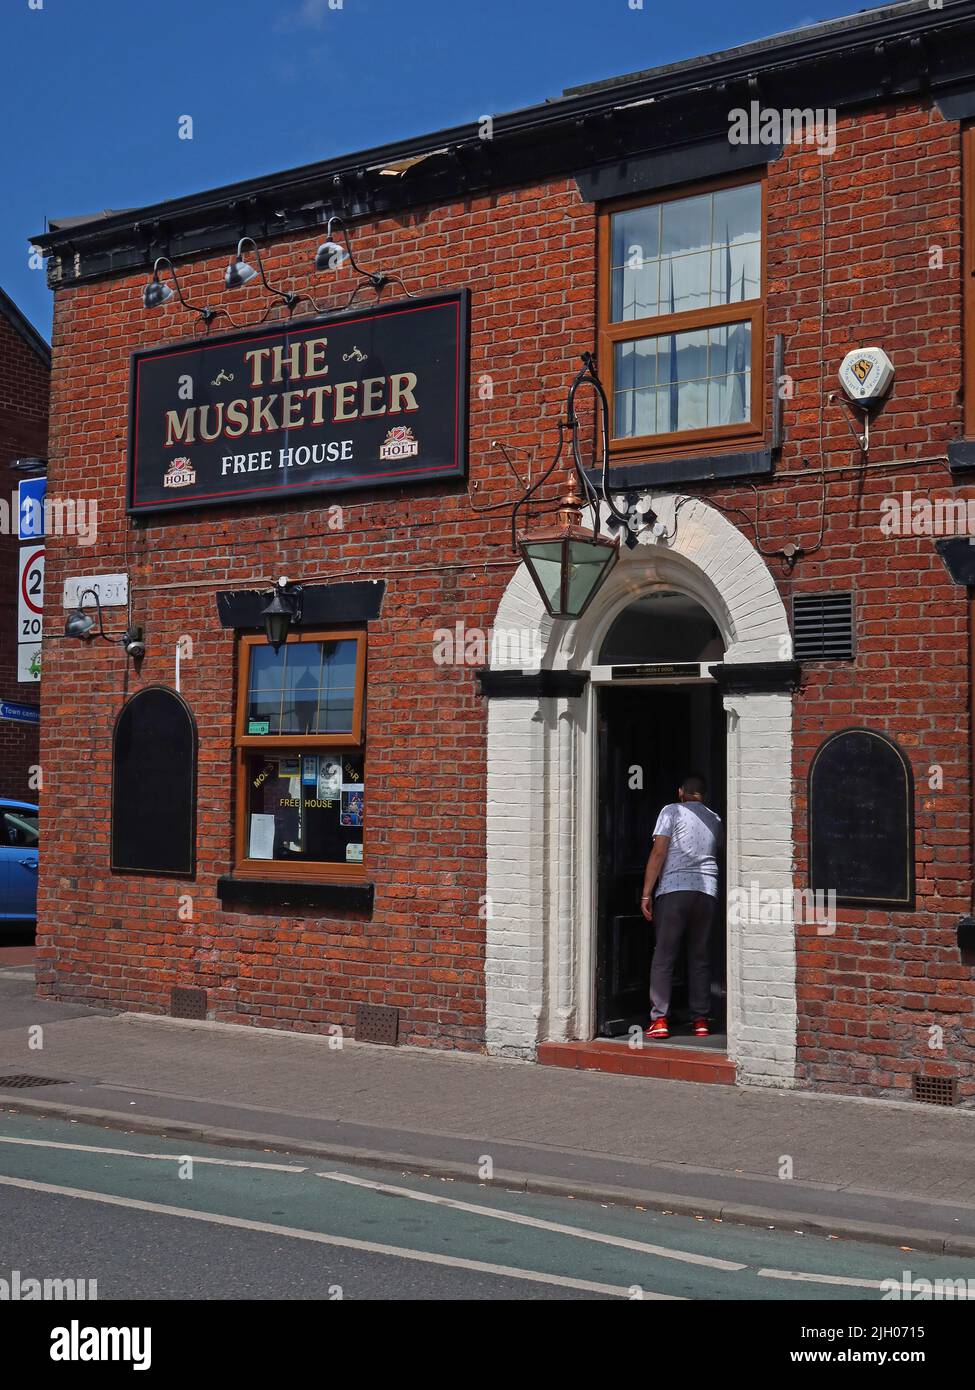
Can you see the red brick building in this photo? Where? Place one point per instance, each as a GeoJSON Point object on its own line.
{"type": "Point", "coordinates": [722, 234]}
{"type": "Point", "coordinates": [25, 372]}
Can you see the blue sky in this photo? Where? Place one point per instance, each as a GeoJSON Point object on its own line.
{"type": "Point", "coordinates": [93, 90]}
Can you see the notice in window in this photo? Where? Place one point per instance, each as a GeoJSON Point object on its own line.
{"type": "Point", "coordinates": [329, 778]}
{"type": "Point", "coordinates": [261, 837]}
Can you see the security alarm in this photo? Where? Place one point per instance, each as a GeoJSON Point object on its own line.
{"type": "Point", "coordinates": [865, 375]}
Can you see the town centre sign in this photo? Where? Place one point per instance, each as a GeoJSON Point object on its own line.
{"type": "Point", "coordinates": [371, 398]}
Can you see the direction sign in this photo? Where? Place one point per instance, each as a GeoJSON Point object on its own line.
{"type": "Point", "coordinates": [30, 508]}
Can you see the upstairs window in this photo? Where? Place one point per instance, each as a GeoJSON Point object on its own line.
{"type": "Point", "coordinates": [681, 317]}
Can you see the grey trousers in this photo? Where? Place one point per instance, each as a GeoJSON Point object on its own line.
{"type": "Point", "coordinates": [678, 916]}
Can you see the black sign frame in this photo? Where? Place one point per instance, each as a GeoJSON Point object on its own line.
{"type": "Point", "coordinates": [903, 902]}
{"type": "Point", "coordinates": [302, 327]}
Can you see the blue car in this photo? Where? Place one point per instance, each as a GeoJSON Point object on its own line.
{"type": "Point", "coordinates": [18, 861]}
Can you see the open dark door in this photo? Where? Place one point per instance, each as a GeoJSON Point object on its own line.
{"type": "Point", "coordinates": [649, 738]}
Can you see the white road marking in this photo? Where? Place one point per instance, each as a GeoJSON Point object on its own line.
{"type": "Point", "coordinates": [344, 1242]}
{"type": "Point", "coordinates": [830, 1279]}
{"type": "Point", "coordinates": [664, 1251]}
{"type": "Point", "coordinates": [168, 1158]}
{"type": "Point", "coordinates": [819, 1278]}
{"type": "Point", "coordinates": [499, 1214]}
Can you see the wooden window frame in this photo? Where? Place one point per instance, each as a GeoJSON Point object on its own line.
{"type": "Point", "coordinates": [321, 870]}
{"type": "Point", "coordinates": [968, 277]}
{"type": "Point", "coordinates": [656, 326]}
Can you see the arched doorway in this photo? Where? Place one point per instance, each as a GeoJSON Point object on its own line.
{"type": "Point", "coordinates": [542, 802]}
{"type": "Point", "coordinates": [660, 718]}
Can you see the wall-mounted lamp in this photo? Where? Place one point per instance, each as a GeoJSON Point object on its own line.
{"type": "Point", "coordinates": [156, 293]}
{"type": "Point", "coordinates": [332, 255]}
{"type": "Point", "coordinates": [282, 610]}
{"type": "Point", "coordinates": [81, 625]}
{"type": "Point", "coordinates": [240, 272]}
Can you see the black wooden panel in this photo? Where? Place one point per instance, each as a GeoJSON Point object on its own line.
{"type": "Point", "coordinates": [527, 685]}
{"type": "Point", "coordinates": [958, 555]}
{"type": "Point", "coordinates": [648, 173]}
{"type": "Point", "coordinates": [247, 893]}
{"type": "Point", "coordinates": [358, 601]}
{"type": "Point", "coordinates": [754, 463]}
{"type": "Point", "coordinates": [861, 821]}
{"type": "Point", "coordinates": [154, 751]}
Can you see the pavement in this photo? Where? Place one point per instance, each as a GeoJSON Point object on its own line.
{"type": "Point", "coordinates": [894, 1174]}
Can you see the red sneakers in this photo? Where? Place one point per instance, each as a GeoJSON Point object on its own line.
{"type": "Point", "coordinates": [701, 1029]}
{"type": "Point", "coordinates": [658, 1029]}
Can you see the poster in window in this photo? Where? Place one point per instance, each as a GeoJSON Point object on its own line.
{"type": "Point", "coordinates": [329, 778]}
{"type": "Point", "coordinates": [352, 798]}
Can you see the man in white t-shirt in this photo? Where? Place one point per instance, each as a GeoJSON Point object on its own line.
{"type": "Point", "coordinates": [686, 841]}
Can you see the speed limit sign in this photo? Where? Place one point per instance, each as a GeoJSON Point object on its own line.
{"type": "Point", "coordinates": [30, 610]}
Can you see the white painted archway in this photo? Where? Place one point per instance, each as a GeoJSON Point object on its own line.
{"type": "Point", "coordinates": [541, 800]}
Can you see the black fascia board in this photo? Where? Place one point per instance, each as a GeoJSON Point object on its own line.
{"type": "Point", "coordinates": [504, 684]}
{"type": "Point", "coordinates": [883, 56]}
{"type": "Point", "coordinates": [352, 601]}
{"type": "Point", "coordinates": [695, 468]}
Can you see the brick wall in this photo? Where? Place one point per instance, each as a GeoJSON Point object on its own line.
{"type": "Point", "coordinates": [867, 996]}
{"type": "Point", "coordinates": [24, 388]}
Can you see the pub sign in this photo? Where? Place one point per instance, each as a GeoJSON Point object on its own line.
{"type": "Point", "coordinates": [372, 398]}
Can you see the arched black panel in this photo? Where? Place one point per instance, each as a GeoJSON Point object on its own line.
{"type": "Point", "coordinates": [154, 749]}
{"type": "Point", "coordinates": [662, 626]}
{"type": "Point", "coordinates": [861, 821]}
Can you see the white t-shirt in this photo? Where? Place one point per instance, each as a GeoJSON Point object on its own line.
{"type": "Point", "coordinates": [696, 835]}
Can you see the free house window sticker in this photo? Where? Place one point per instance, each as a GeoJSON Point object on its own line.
{"type": "Point", "coordinates": [306, 808]}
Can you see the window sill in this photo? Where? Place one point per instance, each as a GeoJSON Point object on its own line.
{"type": "Point", "coordinates": [302, 893]}
{"type": "Point", "coordinates": [691, 468]}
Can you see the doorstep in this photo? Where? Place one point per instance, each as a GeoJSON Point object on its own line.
{"type": "Point", "coordinates": [667, 1061]}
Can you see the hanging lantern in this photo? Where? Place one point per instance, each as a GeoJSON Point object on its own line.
{"type": "Point", "coordinates": [567, 563]}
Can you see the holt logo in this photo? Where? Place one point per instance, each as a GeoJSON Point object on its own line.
{"type": "Point", "coordinates": [399, 444]}
{"type": "Point", "coordinates": [180, 473]}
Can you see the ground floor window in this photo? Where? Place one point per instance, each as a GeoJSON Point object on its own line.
{"type": "Point", "coordinates": [300, 750]}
